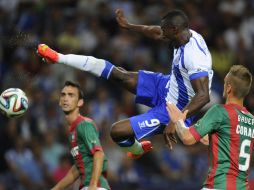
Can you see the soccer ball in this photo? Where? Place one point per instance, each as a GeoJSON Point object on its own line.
{"type": "Point", "coordinates": [13, 102]}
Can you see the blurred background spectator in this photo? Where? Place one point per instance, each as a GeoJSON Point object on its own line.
{"type": "Point", "coordinates": [33, 148]}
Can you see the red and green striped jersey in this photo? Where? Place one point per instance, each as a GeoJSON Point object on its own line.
{"type": "Point", "coordinates": [231, 135]}
{"type": "Point", "coordinates": [84, 141]}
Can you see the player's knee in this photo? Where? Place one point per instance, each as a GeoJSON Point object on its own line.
{"type": "Point", "coordinates": [115, 132]}
{"type": "Point", "coordinates": [120, 132]}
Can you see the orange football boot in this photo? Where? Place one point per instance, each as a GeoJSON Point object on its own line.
{"type": "Point", "coordinates": [147, 147]}
{"type": "Point", "coordinates": [49, 55]}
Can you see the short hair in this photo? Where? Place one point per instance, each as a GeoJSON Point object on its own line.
{"type": "Point", "coordinates": [176, 18]}
{"type": "Point", "coordinates": [76, 85]}
{"type": "Point", "coordinates": [240, 80]}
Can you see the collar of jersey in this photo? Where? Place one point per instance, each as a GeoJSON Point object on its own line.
{"type": "Point", "coordinates": [237, 106]}
{"type": "Point", "coordinates": [76, 122]}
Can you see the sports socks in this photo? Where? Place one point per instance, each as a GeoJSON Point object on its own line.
{"type": "Point", "coordinates": [98, 67]}
{"type": "Point", "coordinates": [131, 145]}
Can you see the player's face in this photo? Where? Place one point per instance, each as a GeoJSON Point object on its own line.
{"type": "Point", "coordinates": [69, 99]}
{"type": "Point", "coordinates": [169, 33]}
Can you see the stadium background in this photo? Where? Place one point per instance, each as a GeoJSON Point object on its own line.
{"type": "Point", "coordinates": [35, 145]}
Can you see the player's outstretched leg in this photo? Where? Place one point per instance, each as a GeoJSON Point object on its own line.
{"type": "Point", "coordinates": [98, 67]}
{"type": "Point", "coordinates": [122, 133]}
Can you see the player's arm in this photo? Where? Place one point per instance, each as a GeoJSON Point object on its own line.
{"type": "Point", "coordinates": [153, 32]}
{"type": "Point", "coordinates": [70, 178]}
{"type": "Point", "coordinates": [186, 136]}
{"type": "Point", "coordinates": [201, 97]}
{"type": "Point", "coordinates": [208, 124]}
{"type": "Point", "coordinates": [91, 138]}
{"type": "Point", "coordinates": [98, 158]}
{"type": "Point", "coordinates": [178, 117]}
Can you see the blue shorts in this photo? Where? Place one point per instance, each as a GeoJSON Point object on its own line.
{"type": "Point", "coordinates": [151, 91]}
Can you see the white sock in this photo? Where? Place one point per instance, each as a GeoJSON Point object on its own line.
{"type": "Point", "coordinates": [98, 67]}
{"type": "Point", "coordinates": [136, 148]}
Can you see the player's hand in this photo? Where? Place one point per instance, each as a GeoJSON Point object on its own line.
{"type": "Point", "coordinates": [121, 19]}
{"type": "Point", "coordinates": [169, 135]}
{"type": "Point", "coordinates": [174, 113]}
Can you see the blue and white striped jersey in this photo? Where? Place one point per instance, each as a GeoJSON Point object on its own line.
{"type": "Point", "coordinates": [190, 61]}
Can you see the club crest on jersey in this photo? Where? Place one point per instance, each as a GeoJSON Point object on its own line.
{"type": "Point", "coordinates": [149, 123]}
{"type": "Point", "coordinates": [75, 151]}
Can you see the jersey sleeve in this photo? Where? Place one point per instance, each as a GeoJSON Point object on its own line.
{"type": "Point", "coordinates": [87, 131]}
{"type": "Point", "coordinates": [197, 59]}
{"type": "Point", "coordinates": [208, 123]}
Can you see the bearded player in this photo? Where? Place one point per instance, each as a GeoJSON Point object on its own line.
{"type": "Point", "coordinates": [231, 133]}
{"type": "Point", "coordinates": [187, 86]}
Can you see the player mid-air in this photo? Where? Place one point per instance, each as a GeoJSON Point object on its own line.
{"type": "Point", "coordinates": [231, 133]}
{"type": "Point", "coordinates": [187, 86]}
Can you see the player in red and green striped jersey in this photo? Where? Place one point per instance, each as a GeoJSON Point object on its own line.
{"type": "Point", "coordinates": [231, 133]}
{"type": "Point", "coordinates": [90, 162]}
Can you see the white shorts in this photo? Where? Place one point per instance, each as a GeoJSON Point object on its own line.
{"type": "Point", "coordinates": [99, 188]}
{"type": "Point", "coordinates": [208, 189]}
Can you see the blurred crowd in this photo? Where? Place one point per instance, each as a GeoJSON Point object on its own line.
{"type": "Point", "coordinates": [34, 152]}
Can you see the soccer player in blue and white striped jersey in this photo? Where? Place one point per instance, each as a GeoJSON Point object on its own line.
{"type": "Point", "coordinates": [187, 86]}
